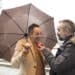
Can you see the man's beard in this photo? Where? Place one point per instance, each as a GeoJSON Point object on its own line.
{"type": "Point", "coordinates": [60, 38]}
{"type": "Point", "coordinates": [37, 39]}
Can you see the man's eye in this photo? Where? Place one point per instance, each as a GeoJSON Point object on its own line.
{"type": "Point", "coordinates": [38, 34]}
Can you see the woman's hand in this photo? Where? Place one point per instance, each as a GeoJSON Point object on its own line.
{"type": "Point", "coordinates": [41, 46]}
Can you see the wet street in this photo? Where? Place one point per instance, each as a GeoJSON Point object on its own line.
{"type": "Point", "coordinates": [6, 69]}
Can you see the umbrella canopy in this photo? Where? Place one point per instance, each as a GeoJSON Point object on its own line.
{"type": "Point", "coordinates": [14, 24]}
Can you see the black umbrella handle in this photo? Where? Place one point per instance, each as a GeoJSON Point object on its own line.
{"type": "Point", "coordinates": [26, 35]}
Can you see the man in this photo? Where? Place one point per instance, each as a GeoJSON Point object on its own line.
{"type": "Point", "coordinates": [29, 59]}
{"type": "Point", "coordinates": [64, 61]}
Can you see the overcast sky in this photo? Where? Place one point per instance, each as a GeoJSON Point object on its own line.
{"type": "Point", "coordinates": [59, 9]}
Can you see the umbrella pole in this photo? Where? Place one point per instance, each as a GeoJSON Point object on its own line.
{"type": "Point", "coordinates": [26, 37]}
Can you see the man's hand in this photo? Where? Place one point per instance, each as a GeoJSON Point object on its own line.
{"type": "Point", "coordinates": [26, 47]}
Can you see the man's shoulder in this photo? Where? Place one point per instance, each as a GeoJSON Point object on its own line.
{"type": "Point", "coordinates": [21, 41]}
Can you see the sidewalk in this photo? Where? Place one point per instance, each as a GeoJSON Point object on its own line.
{"type": "Point", "coordinates": [6, 69]}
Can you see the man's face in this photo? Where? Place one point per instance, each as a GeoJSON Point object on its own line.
{"type": "Point", "coordinates": [36, 35]}
{"type": "Point", "coordinates": [62, 33]}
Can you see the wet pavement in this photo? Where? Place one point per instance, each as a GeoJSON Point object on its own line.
{"type": "Point", "coordinates": [6, 69]}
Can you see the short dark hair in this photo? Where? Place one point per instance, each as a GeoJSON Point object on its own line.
{"type": "Point", "coordinates": [68, 24]}
{"type": "Point", "coordinates": [31, 27]}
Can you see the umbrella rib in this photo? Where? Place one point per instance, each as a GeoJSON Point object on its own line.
{"type": "Point", "coordinates": [28, 19]}
{"type": "Point", "coordinates": [11, 33]}
{"type": "Point", "coordinates": [14, 21]}
{"type": "Point", "coordinates": [50, 38]}
{"type": "Point", "coordinates": [44, 21]}
{"type": "Point", "coordinates": [16, 41]}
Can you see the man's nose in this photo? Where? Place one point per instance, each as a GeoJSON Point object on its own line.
{"type": "Point", "coordinates": [39, 35]}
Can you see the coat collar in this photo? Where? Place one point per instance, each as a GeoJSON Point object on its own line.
{"type": "Point", "coordinates": [73, 39]}
{"type": "Point", "coordinates": [70, 40]}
